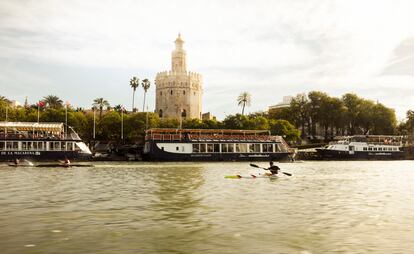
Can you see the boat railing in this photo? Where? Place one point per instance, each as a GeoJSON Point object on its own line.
{"type": "Point", "coordinates": [164, 137]}
{"type": "Point", "coordinates": [212, 137]}
{"type": "Point", "coordinates": [18, 136]}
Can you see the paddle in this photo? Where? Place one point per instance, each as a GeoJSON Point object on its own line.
{"type": "Point", "coordinates": [255, 166]}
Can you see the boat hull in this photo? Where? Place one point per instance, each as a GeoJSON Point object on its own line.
{"type": "Point", "coordinates": [328, 154]}
{"type": "Point", "coordinates": [43, 155]}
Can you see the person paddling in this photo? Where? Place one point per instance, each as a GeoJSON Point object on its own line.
{"type": "Point", "coordinates": [16, 161]}
{"type": "Point", "coordinates": [274, 170]}
{"type": "Point", "coordinates": [66, 162]}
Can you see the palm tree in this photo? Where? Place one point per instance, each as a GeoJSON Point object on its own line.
{"type": "Point", "coordinates": [53, 101]}
{"type": "Point", "coordinates": [146, 85]}
{"type": "Point", "coordinates": [4, 99]}
{"type": "Point", "coordinates": [118, 108]}
{"type": "Point", "coordinates": [244, 100]}
{"type": "Point", "coordinates": [134, 83]}
{"type": "Point", "coordinates": [100, 103]}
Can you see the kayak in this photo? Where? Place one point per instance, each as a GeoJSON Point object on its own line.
{"type": "Point", "coordinates": [250, 176]}
{"type": "Point", "coordinates": [63, 166]}
{"type": "Point", "coordinates": [19, 165]}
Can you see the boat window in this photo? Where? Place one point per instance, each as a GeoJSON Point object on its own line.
{"type": "Point", "coordinates": [267, 148]}
{"type": "Point", "coordinates": [231, 148]}
{"type": "Point", "coordinates": [40, 145]}
{"type": "Point", "coordinates": [2, 145]}
{"type": "Point", "coordinates": [63, 144]}
{"type": "Point", "coordinates": [210, 148]}
{"type": "Point", "coordinates": [51, 146]}
{"type": "Point", "coordinates": [202, 148]}
{"type": "Point", "coordinates": [69, 146]}
{"type": "Point", "coordinates": [196, 148]}
{"type": "Point", "coordinates": [241, 148]}
{"type": "Point", "coordinates": [369, 148]}
{"type": "Point", "coordinates": [389, 148]}
{"type": "Point", "coordinates": [395, 149]}
{"type": "Point", "coordinates": [375, 149]}
{"type": "Point", "coordinates": [277, 148]}
{"type": "Point", "coordinates": [216, 148]}
{"type": "Point", "coordinates": [177, 148]}
{"type": "Point", "coordinates": [24, 146]}
{"type": "Point", "coordinates": [29, 146]}
{"type": "Point", "coordinates": [34, 145]}
{"type": "Point", "coordinates": [379, 148]}
{"type": "Point", "coordinates": [365, 148]}
{"type": "Point", "coordinates": [57, 145]}
{"type": "Point", "coordinates": [254, 148]}
{"type": "Point", "coordinates": [9, 145]}
{"type": "Point", "coordinates": [16, 145]}
{"type": "Point", "coordinates": [224, 148]}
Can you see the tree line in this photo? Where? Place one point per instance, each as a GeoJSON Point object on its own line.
{"type": "Point", "coordinates": [317, 113]}
{"type": "Point", "coordinates": [108, 120]}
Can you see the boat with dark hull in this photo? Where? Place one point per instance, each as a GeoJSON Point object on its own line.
{"type": "Point", "coordinates": [214, 145]}
{"type": "Point", "coordinates": [40, 142]}
{"type": "Point", "coordinates": [364, 147]}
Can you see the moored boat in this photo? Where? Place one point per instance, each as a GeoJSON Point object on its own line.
{"type": "Point", "coordinates": [364, 147]}
{"type": "Point", "coordinates": [40, 142]}
{"type": "Point", "coordinates": [214, 145]}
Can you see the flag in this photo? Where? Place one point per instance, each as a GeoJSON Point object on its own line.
{"type": "Point", "coordinates": [41, 104]}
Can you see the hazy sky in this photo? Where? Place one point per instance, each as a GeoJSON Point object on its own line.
{"type": "Point", "coordinates": [81, 50]}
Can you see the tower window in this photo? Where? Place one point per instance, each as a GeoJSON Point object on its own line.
{"type": "Point", "coordinates": [171, 92]}
{"type": "Point", "coordinates": [160, 113]}
{"type": "Point", "coordinates": [184, 92]}
{"type": "Point", "coordinates": [160, 93]}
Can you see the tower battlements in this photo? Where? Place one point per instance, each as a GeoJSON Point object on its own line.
{"type": "Point", "coordinates": [189, 74]}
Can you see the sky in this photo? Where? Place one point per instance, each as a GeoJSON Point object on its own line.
{"type": "Point", "coordinates": [80, 50]}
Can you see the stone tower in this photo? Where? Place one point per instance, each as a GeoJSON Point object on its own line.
{"type": "Point", "coordinates": [178, 92]}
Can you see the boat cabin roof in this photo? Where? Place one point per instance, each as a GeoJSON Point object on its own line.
{"type": "Point", "coordinates": [30, 126]}
{"type": "Point", "coordinates": [205, 131]}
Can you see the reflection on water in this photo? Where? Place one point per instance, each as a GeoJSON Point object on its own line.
{"type": "Point", "coordinates": [344, 207]}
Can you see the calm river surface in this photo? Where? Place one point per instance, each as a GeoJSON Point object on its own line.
{"type": "Point", "coordinates": [325, 207]}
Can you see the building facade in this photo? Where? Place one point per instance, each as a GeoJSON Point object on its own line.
{"type": "Point", "coordinates": [178, 91]}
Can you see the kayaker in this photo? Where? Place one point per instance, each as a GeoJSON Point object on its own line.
{"type": "Point", "coordinates": [274, 170]}
{"type": "Point", "coordinates": [16, 161]}
{"type": "Point", "coordinates": [66, 162]}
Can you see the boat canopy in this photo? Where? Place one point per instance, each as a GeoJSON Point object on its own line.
{"type": "Point", "coordinates": [33, 126]}
{"type": "Point", "coordinates": [205, 131]}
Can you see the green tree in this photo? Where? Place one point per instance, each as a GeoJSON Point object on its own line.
{"type": "Point", "coordinates": [100, 103]}
{"type": "Point", "coordinates": [285, 129]}
{"type": "Point", "coordinates": [53, 101]}
{"type": "Point", "coordinates": [244, 100]}
{"type": "Point", "coordinates": [110, 126]}
{"type": "Point", "coordinates": [300, 111]}
{"type": "Point", "coordinates": [352, 105]}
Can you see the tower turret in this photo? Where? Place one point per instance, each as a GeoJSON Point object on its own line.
{"type": "Point", "coordinates": [178, 60]}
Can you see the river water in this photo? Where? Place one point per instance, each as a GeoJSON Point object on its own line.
{"type": "Point", "coordinates": [325, 207]}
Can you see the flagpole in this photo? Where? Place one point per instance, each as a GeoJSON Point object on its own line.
{"type": "Point", "coordinates": [122, 122]}
{"type": "Point", "coordinates": [66, 120]}
{"type": "Point", "coordinates": [94, 127]}
{"type": "Point", "coordinates": [38, 112]}
{"type": "Point", "coordinates": [146, 120]}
